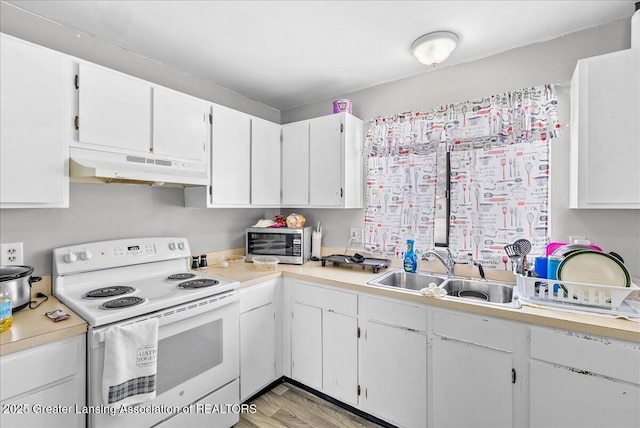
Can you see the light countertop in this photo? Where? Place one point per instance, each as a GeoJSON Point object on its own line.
{"type": "Point", "coordinates": [354, 278]}
{"type": "Point", "coordinates": [31, 327]}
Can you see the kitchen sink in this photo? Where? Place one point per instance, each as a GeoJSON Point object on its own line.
{"type": "Point", "coordinates": [399, 279]}
{"type": "Point", "coordinates": [482, 291]}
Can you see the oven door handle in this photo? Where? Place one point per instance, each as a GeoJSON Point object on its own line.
{"type": "Point", "coordinates": [182, 311]}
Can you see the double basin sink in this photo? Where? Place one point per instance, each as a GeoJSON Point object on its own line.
{"type": "Point", "coordinates": [475, 290]}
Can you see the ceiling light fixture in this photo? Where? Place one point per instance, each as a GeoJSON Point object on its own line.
{"type": "Point", "coordinates": [433, 48]}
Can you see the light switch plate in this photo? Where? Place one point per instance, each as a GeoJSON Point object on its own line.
{"type": "Point", "coordinates": [356, 235]}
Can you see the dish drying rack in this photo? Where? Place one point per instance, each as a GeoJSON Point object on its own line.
{"type": "Point", "coordinates": [581, 296]}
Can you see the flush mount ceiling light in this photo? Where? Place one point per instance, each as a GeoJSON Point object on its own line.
{"type": "Point", "coordinates": [433, 48]}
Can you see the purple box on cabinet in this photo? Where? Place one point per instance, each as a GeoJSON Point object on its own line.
{"type": "Point", "coordinates": [342, 106]}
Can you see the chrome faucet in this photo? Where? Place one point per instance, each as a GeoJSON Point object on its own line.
{"type": "Point", "coordinates": [448, 264]}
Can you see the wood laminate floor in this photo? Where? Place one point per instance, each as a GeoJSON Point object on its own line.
{"type": "Point", "coordinates": [287, 406]}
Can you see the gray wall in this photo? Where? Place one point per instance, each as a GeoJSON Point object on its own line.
{"type": "Point", "coordinates": [548, 62]}
{"type": "Point", "coordinates": [110, 211]}
{"type": "Point", "coordinates": [113, 211]}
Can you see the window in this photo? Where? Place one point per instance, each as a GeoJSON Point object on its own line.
{"type": "Point", "coordinates": [472, 176]}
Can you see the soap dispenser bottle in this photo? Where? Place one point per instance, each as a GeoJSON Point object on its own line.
{"type": "Point", "coordinates": [410, 258]}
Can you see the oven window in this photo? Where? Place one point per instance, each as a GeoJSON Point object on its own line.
{"type": "Point", "coordinates": [189, 354]}
{"type": "Point", "coordinates": [271, 244]}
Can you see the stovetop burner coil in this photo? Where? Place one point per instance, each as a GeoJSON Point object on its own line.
{"type": "Point", "coordinates": [199, 283]}
{"type": "Point", "coordinates": [122, 302]}
{"type": "Point", "coordinates": [109, 291]}
{"type": "Point", "coordinates": [180, 276]}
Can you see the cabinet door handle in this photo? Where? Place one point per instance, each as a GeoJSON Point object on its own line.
{"type": "Point", "coordinates": [513, 375]}
{"type": "Point", "coordinates": [76, 122]}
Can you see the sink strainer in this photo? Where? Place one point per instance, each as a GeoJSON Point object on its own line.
{"type": "Point", "coordinates": [472, 294]}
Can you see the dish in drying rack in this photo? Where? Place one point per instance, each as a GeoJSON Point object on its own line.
{"type": "Point", "coordinates": [594, 267]}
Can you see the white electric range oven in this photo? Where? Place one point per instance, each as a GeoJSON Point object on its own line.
{"type": "Point", "coordinates": [115, 283]}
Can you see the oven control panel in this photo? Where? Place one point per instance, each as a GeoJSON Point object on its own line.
{"type": "Point", "coordinates": [134, 250]}
{"type": "Point", "coordinates": [118, 253]}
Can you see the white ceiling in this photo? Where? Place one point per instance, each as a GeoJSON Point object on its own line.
{"type": "Point", "coordinates": [288, 53]}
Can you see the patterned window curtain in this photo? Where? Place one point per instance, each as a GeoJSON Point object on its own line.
{"type": "Point", "coordinates": [499, 175]}
{"type": "Point", "coordinates": [497, 196]}
{"type": "Point", "coordinates": [400, 183]}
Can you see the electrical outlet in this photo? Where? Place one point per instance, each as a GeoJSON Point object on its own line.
{"type": "Point", "coordinates": [11, 254]}
{"type": "Point", "coordinates": [356, 235]}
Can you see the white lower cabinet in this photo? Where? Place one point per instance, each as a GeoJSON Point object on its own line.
{"type": "Point", "coordinates": [417, 365]}
{"type": "Point", "coordinates": [394, 373]}
{"type": "Point", "coordinates": [306, 345]}
{"type": "Point", "coordinates": [259, 337]}
{"type": "Point", "coordinates": [472, 371]}
{"type": "Point", "coordinates": [324, 340]}
{"type": "Point", "coordinates": [578, 380]}
{"type": "Point", "coordinates": [340, 356]}
{"type": "Point", "coordinates": [44, 386]}
{"type": "Point", "coordinates": [471, 385]}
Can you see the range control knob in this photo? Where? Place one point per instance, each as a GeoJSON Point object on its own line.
{"type": "Point", "coordinates": [172, 246]}
{"type": "Point", "coordinates": [181, 245]}
{"type": "Point", "coordinates": [70, 257]}
{"type": "Point", "coordinates": [86, 255]}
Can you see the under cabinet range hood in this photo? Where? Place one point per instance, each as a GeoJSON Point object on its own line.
{"type": "Point", "coordinates": [111, 167]}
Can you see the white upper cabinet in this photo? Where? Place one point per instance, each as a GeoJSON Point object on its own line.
{"type": "Point", "coordinates": [265, 163]}
{"type": "Point", "coordinates": [180, 125]}
{"type": "Point", "coordinates": [245, 162]}
{"type": "Point", "coordinates": [35, 97]}
{"type": "Point", "coordinates": [325, 161]}
{"type": "Point", "coordinates": [333, 163]}
{"type": "Point", "coordinates": [230, 158]}
{"type": "Point", "coordinates": [295, 164]}
{"type": "Point", "coordinates": [114, 109]}
{"type": "Point", "coordinates": [605, 131]}
{"type": "Point", "coordinates": [119, 113]}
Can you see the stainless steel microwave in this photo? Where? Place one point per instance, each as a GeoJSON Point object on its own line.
{"type": "Point", "coordinates": [289, 246]}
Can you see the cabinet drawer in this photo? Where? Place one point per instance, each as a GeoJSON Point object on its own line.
{"type": "Point", "coordinates": [332, 300]}
{"type": "Point", "coordinates": [607, 357]}
{"type": "Point", "coordinates": [478, 330]}
{"type": "Point", "coordinates": [66, 395]}
{"type": "Point", "coordinates": [397, 313]}
{"type": "Point", "coordinates": [217, 400]}
{"type": "Point", "coordinates": [32, 368]}
{"type": "Point", "coordinates": [257, 295]}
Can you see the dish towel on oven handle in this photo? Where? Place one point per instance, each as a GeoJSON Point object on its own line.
{"type": "Point", "coordinates": [130, 363]}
